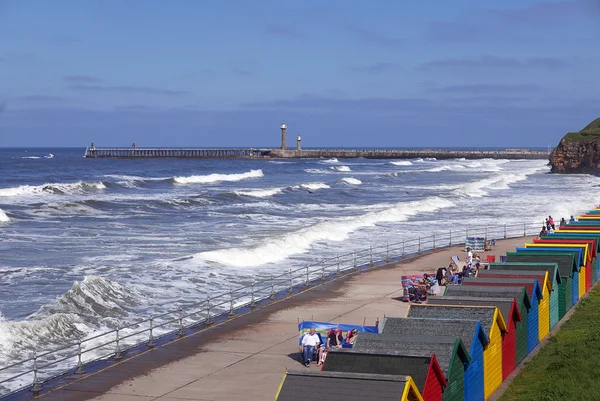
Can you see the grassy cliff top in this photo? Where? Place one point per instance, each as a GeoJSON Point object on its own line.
{"type": "Point", "coordinates": [590, 133]}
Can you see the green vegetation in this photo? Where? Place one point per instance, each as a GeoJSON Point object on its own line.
{"type": "Point", "coordinates": [590, 133]}
{"type": "Point", "coordinates": [568, 367]}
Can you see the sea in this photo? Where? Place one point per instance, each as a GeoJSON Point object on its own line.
{"type": "Point", "coordinates": [87, 245]}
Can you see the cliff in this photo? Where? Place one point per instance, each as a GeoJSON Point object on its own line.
{"type": "Point", "coordinates": [578, 152]}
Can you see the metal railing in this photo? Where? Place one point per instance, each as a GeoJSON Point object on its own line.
{"type": "Point", "coordinates": [113, 344]}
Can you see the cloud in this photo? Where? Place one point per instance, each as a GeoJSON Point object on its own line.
{"type": "Point", "coordinates": [373, 37]}
{"type": "Point", "coordinates": [489, 61]}
{"type": "Point", "coordinates": [128, 89]}
{"type": "Point", "coordinates": [487, 88]}
{"type": "Point", "coordinates": [281, 30]}
{"type": "Point", "coordinates": [81, 79]}
{"type": "Point", "coordinates": [550, 12]}
{"type": "Point", "coordinates": [452, 32]}
{"type": "Point", "coordinates": [377, 68]}
{"type": "Point", "coordinates": [244, 73]}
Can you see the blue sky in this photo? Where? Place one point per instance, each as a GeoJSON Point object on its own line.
{"type": "Point", "coordinates": [340, 73]}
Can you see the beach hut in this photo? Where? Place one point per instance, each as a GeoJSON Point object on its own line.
{"type": "Point", "coordinates": [424, 370]}
{"type": "Point", "coordinates": [592, 248]}
{"type": "Point", "coordinates": [566, 265]}
{"type": "Point", "coordinates": [585, 267]}
{"type": "Point", "coordinates": [510, 311]}
{"type": "Point", "coordinates": [576, 235]}
{"type": "Point", "coordinates": [493, 324]}
{"type": "Point", "coordinates": [471, 334]}
{"type": "Point", "coordinates": [534, 292]}
{"type": "Point", "coordinates": [577, 276]}
{"type": "Point", "coordinates": [450, 353]}
{"type": "Point", "coordinates": [517, 293]}
{"type": "Point", "coordinates": [553, 278]}
{"type": "Point", "coordinates": [307, 385]}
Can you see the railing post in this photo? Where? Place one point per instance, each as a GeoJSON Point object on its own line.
{"type": "Point", "coordinates": [207, 320]}
{"type": "Point", "coordinates": [151, 337]}
{"type": "Point", "coordinates": [450, 238]}
{"type": "Point", "coordinates": [371, 256]}
{"type": "Point", "coordinates": [355, 265]}
{"type": "Point", "coordinates": [403, 250]}
{"type": "Point", "coordinates": [37, 386]}
{"type": "Point", "coordinates": [433, 240]}
{"type": "Point", "coordinates": [272, 287]}
{"type": "Point", "coordinates": [387, 253]}
{"type": "Point", "coordinates": [419, 248]}
{"type": "Point", "coordinates": [231, 303]}
{"type": "Point", "coordinates": [290, 279]}
{"type": "Point", "coordinates": [307, 278]}
{"type": "Point", "coordinates": [252, 301]}
{"type": "Point", "coordinates": [524, 230]}
{"type": "Point", "coordinates": [180, 332]}
{"type": "Point", "coordinates": [338, 265]}
{"type": "Point", "coordinates": [322, 269]}
{"type": "Point", "coordinates": [485, 237]}
{"type": "Point", "coordinates": [79, 370]}
{"type": "Point", "coordinates": [505, 231]}
{"type": "Point", "coordinates": [118, 354]}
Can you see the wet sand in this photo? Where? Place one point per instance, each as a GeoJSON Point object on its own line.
{"type": "Point", "coordinates": [245, 358]}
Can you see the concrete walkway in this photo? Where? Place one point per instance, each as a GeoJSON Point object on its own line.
{"type": "Point", "coordinates": [246, 360]}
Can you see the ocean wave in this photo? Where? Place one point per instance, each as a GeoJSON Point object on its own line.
{"type": "Point", "coordinates": [213, 178]}
{"type": "Point", "coordinates": [31, 157]}
{"type": "Point", "coordinates": [330, 161]}
{"type": "Point", "coordinates": [317, 171]}
{"type": "Point", "coordinates": [300, 241]}
{"type": "Point", "coordinates": [188, 202]}
{"type": "Point", "coordinates": [53, 189]}
{"type": "Point", "coordinates": [446, 167]}
{"type": "Point", "coordinates": [3, 217]}
{"type": "Point", "coordinates": [351, 181]}
{"type": "Point", "coordinates": [260, 193]}
{"type": "Point", "coordinates": [482, 187]}
{"type": "Point", "coordinates": [340, 168]}
{"type": "Point", "coordinates": [430, 159]}
{"type": "Point", "coordinates": [312, 186]}
{"type": "Point", "coordinates": [402, 163]}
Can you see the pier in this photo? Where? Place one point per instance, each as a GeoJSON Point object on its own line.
{"type": "Point", "coordinates": [252, 153]}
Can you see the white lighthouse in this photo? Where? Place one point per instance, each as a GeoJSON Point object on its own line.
{"type": "Point", "coordinates": [298, 143]}
{"type": "Point", "coordinates": [283, 137]}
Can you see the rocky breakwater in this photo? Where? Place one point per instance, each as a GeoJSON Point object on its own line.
{"type": "Point", "coordinates": [578, 152]}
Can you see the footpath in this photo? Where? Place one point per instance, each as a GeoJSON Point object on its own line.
{"type": "Point", "coordinates": [245, 359]}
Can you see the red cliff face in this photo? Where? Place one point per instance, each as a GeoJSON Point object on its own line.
{"type": "Point", "coordinates": [578, 152]}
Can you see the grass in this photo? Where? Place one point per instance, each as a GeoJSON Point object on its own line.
{"type": "Point", "coordinates": [590, 133]}
{"type": "Point", "coordinates": [568, 366]}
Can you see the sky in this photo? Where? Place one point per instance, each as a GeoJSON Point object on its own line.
{"type": "Point", "coordinates": [384, 73]}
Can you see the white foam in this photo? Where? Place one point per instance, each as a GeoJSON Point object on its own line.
{"type": "Point", "coordinates": [403, 163]}
{"type": "Point", "coordinates": [446, 167]}
{"type": "Point", "coordinates": [312, 186]}
{"type": "Point", "coordinates": [52, 189]}
{"type": "Point", "coordinates": [300, 241]}
{"type": "Point", "coordinates": [317, 171]}
{"type": "Point", "coordinates": [351, 181]}
{"type": "Point", "coordinates": [481, 187]}
{"type": "Point", "coordinates": [212, 178]}
{"type": "Point", "coordinates": [31, 157]}
{"type": "Point", "coordinates": [3, 217]}
{"type": "Point", "coordinates": [260, 193]}
{"type": "Point", "coordinates": [340, 168]}
{"type": "Point", "coordinates": [430, 159]}
{"type": "Point", "coordinates": [330, 161]}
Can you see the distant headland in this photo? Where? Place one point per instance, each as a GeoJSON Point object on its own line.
{"type": "Point", "coordinates": [284, 152]}
{"type": "Point", "coordinates": [578, 152]}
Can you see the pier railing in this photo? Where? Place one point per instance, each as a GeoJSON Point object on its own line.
{"type": "Point", "coordinates": [114, 344]}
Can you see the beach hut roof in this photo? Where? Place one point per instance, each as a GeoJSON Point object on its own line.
{"type": "Point", "coordinates": [444, 347]}
{"type": "Point", "coordinates": [485, 314]}
{"type": "Point", "coordinates": [567, 263]}
{"type": "Point", "coordinates": [550, 267]}
{"type": "Point", "coordinates": [388, 363]}
{"type": "Point", "coordinates": [520, 293]}
{"type": "Point", "coordinates": [338, 386]}
{"type": "Point", "coordinates": [525, 281]}
{"type": "Point", "coordinates": [536, 273]}
{"type": "Point", "coordinates": [504, 304]}
{"type": "Point", "coordinates": [463, 328]}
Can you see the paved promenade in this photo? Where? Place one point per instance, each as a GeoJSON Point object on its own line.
{"type": "Point", "coordinates": [245, 359]}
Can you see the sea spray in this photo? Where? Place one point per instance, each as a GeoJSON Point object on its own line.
{"type": "Point", "coordinates": [300, 241]}
{"type": "Point", "coordinates": [214, 178]}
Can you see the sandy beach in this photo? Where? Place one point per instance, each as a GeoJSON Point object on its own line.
{"type": "Point", "coordinates": [245, 358]}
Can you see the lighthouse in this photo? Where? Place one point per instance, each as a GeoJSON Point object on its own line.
{"type": "Point", "coordinates": [298, 143]}
{"type": "Point", "coordinates": [283, 137]}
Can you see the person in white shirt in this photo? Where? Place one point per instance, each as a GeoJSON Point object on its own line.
{"type": "Point", "coordinates": [469, 258]}
{"type": "Point", "coordinates": [309, 342]}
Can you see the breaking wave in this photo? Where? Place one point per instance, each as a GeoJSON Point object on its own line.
{"type": "Point", "coordinates": [312, 186]}
{"type": "Point", "coordinates": [212, 178]}
{"type": "Point", "coordinates": [330, 161]}
{"type": "Point", "coordinates": [3, 217]}
{"type": "Point", "coordinates": [402, 163]}
{"type": "Point", "coordinates": [340, 168]}
{"type": "Point", "coordinates": [53, 189]}
{"type": "Point", "coordinates": [260, 193]}
{"type": "Point", "coordinates": [300, 241]}
{"type": "Point", "coordinates": [31, 157]}
{"type": "Point", "coordinates": [351, 181]}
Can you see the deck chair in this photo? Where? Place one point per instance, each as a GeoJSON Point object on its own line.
{"type": "Point", "coordinates": [455, 261]}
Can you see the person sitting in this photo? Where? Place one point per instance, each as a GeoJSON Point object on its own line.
{"type": "Point", "coordinates": [544, 232]}
{"type": "Point", "coordinates": [572, 219]}
{"type": "Point", "coordinates": [563, 222]}
{"type": "Point", "coordinates": [441, 275]}
{"type": "Point", "coordinates": [310, 342]}
{"type": "Point", "coordinates": [416, 290]}
{"type": "Point", "coordinates": [351, 336]}
{"type": "Point", "coordinates": [453, 274]}
{"type": "Point", "coordinates": [335, 338]}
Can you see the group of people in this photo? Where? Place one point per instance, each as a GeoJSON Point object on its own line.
{"type": "Point", "coordinates": [549, 227]}
{"type": "Point", "coordinates": [453, 274]}
{"type": "Point", "coordinates": [311, 344]}
{"type": "Point", "coordinates": [418, 289]}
